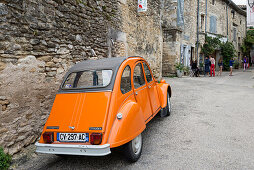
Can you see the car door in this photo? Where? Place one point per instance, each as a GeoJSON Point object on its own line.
{"type": "Point", "coordinates": [141, 91]}
{"type": "Point", "coordinates": [152, 89]}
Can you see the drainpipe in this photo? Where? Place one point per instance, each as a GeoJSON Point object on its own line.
{"type": "Point", "coordinates": [205, 15]}
{"type": "Point", "coordinates": [197, 28]}
{"type": "Point", "coordinates": [229, 2]}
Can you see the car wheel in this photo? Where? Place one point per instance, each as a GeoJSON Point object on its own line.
{"type": "Point", "coordinates": [132, 150]}
{"type": "Point", "coordinates": [166, 110]}
{"type": "Point", "coordinates": [168, 107]}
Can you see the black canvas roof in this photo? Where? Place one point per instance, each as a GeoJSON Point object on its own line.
{"type": "Point", "coordinates": [101, 64]}
{"type": "Point", "coordinates": [105, 63]}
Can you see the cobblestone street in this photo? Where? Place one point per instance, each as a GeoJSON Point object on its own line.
{"type": "Point", "coordinates": [211, 127]}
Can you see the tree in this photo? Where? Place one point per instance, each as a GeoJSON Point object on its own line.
{"type": "Point", "coordinates": [248, 42]}
{"type": "Point", "coordinates": [228, 52]}
{"type": "Point", "coordinates": [210, 45]}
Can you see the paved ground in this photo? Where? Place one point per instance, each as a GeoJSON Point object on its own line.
{"type": "Point", "coordinates": [211, 127]}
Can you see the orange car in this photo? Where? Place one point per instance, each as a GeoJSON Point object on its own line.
{"type": "Point", "coordinates": [104, 104]}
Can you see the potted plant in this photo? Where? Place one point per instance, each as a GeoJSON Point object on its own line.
{"type": "Point", "coordinates": [179, 69]}
{"type": "Point", "coordinates": [186, 70]}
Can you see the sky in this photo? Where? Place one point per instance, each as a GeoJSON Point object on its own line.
{"type": "Point", "coordinates": [240, 2]}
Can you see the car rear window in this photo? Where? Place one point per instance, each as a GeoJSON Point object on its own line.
{"type": "Point", "coordinates": [88, 79]}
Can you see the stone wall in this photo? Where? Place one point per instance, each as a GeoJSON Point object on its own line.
{"type": "Point", "coordinates": [41, 39]}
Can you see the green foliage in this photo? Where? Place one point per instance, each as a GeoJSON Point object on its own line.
{"type": "Point", "coordinates": [186, 69]}
{"type": "Point", "coordinates": [210, 45]}
{"type": "Point", "coordinates": [227, 51]}
{"type": "Point", "coordinates": [248, 42]}
{"type": "Point", "coordinates": [179, 66]}
{"type": "Point", "coordinates": [236, 64]}
{"type": "Point", "coordinates": [5, 160]}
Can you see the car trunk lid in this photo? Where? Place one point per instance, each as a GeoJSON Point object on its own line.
{"type": "Point", "coordinates": [79, 112]}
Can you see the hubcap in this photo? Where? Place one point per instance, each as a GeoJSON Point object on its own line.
{"type": "Point", "coordinates": [169, 104]}
{"type": "Point", "coordinates": [137, 144]}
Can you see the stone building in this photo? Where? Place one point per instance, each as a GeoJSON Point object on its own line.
{"type": "Point", "coordinates": [41, 39]}
{"type": "Point", "coordinates": [216, 18]}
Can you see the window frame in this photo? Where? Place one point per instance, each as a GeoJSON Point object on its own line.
{"type": "Point", "coordinates": [89, 87]}
{"type": "Point", "coordinates": [149, 71]}
{"type": "Point", "coordinates": [139, 62]}
{"type": "Point", "coordinates": [130, 79]}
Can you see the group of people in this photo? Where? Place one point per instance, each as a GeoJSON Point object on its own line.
{"type": "Point", "coordinates": [210, 66]}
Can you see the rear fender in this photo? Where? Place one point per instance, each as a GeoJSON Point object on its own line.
{"type": "Point", "coordinates": [129, 126]}
{"type": "Point", "coordinates": [163, 89]}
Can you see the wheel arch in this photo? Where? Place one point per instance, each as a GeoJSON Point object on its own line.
{"type": "Point", "coordinates": [163, 89]}
{"type": "Point", "coordinates": [129, 126]}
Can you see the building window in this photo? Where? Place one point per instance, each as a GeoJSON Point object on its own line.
{"type": "Point", "coordinates": [213, 24]}
{"type": "Point", "coordinates": [213, 2]}
{"type": "Point", "coordinates": [234, 34]}
{"type": "Point", "coordinates": [233, 14]}
{"type": "Point", "coordinates": [202, 23]}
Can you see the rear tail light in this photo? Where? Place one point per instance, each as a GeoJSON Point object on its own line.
{"type": "Point", "coordinates": [48, 137]}
{"type": "Point", "coordinates": [95, 138]}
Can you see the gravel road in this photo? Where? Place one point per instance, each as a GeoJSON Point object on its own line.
{"type": "Point", "coordinates": [211, 127]}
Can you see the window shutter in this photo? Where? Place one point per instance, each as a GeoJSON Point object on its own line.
{"type": "Point", "coordinates": [213, 24]}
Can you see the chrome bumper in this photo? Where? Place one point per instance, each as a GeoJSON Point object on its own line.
{"type": "Point", "coordinates": [69, 149]}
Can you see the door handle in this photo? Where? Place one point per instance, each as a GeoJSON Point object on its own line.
{"type": "Point", "coordinates": [136, 93]}
{"type": "Point", "coordinates": [149, 87]}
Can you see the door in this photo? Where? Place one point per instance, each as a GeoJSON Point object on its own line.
{"type": "Point", "coordinates": [152, 89]}
{"type": "Point", "coordinates": [141, 91]}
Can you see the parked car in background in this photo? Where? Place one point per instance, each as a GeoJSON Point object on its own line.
{"type": "Point", "coordinates": [104, 104]}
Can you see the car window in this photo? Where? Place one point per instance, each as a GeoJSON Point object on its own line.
{"type": "Point", "coordinates": [148, 73]}
{"type": "Point", "coordinates": [126, 80]}
{"type": "Point", "coordinates": [88, 79]}
{"type": "Point", "coordinates": [138, 76]}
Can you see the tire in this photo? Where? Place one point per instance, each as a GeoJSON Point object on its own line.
{"type": "Point", "coordinates": [168, 107]}
{"type": "Point", "coordinates": [133, 149]}
{"type": "Point", "coordinates": [166, 110]}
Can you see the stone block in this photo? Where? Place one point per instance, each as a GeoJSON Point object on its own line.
{"type": "Point", "coordinates": [34, 41]}
{"type": "Point", "coordinates": [3, 9]}
{"type": "Point", "coordinates": [45, 58]}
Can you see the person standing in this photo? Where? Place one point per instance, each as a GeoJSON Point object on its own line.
{"type": "Point", "coordinates": [231, 62]}
{"type": "Point", "coordinates": [195, 68]}
{"type": "Point", "coordinates": [245, 63]}
{"type": "Point", "coordinates": [212, 71]}
{"type": "Point", "coordinates": [207, 66]}
{"type": "Point", "coordinates": [220, 63]}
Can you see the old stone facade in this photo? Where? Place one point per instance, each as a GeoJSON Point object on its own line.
{"type": "Point", "coordinates": [216, 18]}
{"type": "Point", "coordinates": [41, 39]}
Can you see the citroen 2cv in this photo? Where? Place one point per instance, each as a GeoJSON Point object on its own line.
{"type": "Point", "coordinates": [104, 104]}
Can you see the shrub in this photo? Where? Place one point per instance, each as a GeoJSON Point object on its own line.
{"type": "Point", "coordinates": [5, 160]}
{"type": "Point", "coordinates": [228, 52]}
{"type": "Point", "coordinates": [210, 45]}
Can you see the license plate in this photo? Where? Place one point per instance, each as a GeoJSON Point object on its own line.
{"type": "Point", "coordinates": [73, 137]}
